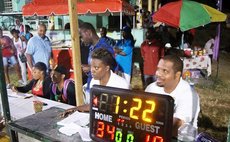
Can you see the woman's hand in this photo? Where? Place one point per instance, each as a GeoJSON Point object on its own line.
{"type": "Point", "coordinates": [13, 88]}
{"type": "Point", "coordinates": [117, 49]}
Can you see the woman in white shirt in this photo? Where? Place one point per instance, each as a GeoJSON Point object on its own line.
{"type": "Point", "coordinates": [21, 48]}
{"type": "Point", "coordinates": [102, 65]}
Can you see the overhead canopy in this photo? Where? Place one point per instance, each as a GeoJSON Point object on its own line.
{"type": "Point", "coordinates": [60, 7]}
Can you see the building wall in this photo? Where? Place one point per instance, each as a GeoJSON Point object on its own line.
{"type": "Point", "coordinates": [1, 6]}
{"type": "Point", "coordinates": [17, 5]}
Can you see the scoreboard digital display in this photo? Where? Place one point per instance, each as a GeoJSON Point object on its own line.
{"type": "Point", "coordinates": [119, 115]}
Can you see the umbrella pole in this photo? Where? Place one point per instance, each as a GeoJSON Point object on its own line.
{"type": "Point", "coordinates": [76, 51]}
{"type": "Point", "coordinates": [120, 23]}
{"type": "Point", "coordinates": [218, 44]}
{"type": "Point", "coordinates": [182, 41]}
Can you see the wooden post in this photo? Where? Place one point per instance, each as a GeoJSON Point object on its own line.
{"type": "Point", "coordinates": [76, 51]}
{"type": "Point", "coordinates": [150, 6]}
{"type": "Point", "coordinates": [155, 5]}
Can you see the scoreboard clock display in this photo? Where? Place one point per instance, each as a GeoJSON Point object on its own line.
{"type": "Point", "coordinates": [119, 115]}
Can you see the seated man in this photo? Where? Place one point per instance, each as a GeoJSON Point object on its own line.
{"type": "Point", "coordinates": [169, 82]}
{"type": "Point", "coordinates": [102, 63]}
{"type": "Point", "coordinates": [61, 89]}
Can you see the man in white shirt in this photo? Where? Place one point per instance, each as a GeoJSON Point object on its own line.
{"type": "Point", "coordinates": [169, 82]}
{"type": "Point", "coordinates": [209, 46]}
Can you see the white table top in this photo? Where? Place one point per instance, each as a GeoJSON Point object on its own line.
{"type": "Point", "coordinates": [20, 107]}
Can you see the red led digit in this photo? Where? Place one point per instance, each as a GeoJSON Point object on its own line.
{"type": "Point", "coordinates": [100, 129]}
{"type": "Point", "coordinates": [147, 138]}
{"type": "Point", "coordinates": [110, 130]}
{"type": "Point", "coordinates": [157, 139]}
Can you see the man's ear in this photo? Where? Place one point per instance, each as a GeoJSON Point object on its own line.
{"type": "Point", "coordinates": [107, 68]}
{"type": "Point", "coordinates": [62, 76]}
{"type": "Point", "coordinates": [178, 74]}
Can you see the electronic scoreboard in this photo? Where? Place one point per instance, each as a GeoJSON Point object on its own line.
{"type": "Point", "coordinates": [120, 115]}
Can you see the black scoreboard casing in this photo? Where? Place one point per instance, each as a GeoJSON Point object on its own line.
{"type": "Point", "coordinates": [120, 115]}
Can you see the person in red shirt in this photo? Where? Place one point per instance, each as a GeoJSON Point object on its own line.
{"type": "Point", "coordinates": [39, 85]}
{"type": "Point", "coordinates": [151, 51]}
{"type": "Point", "coordinates": [8, 55]}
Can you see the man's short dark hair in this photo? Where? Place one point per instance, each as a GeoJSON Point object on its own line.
{"type": "Point", "coordinates": [104, 29]}
{"type": "Point", "coordinates": [14, 31]}
{"type": "Point", "coordinates": [105, 56]}
{"type": "Point", "coordinates": [177, 62]}
{"type": "Point", "coordinates": [42, 25]}
{"type": "Point", "coordinates": [88, 26]}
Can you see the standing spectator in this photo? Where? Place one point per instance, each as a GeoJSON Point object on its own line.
{"type": "Point", "coordinates": [209, 46]}
{"type": "Point", "coordinates": [151, 51]}
{"type": "Point", "coordinates": [124, 53]}
{"type": "Point", "coordinates": [90, 37]}
{"type": "Point", "coordinates": [21, 48]}
{"type": "Point", "coordinates": [39, 48]}
{"type": "Point", "coordinates": [62, 89]}
{"type": "Point", "coordinates": [166, 36]}
{"type": "Point", "coordinates": [19, 26]}
{"type": "Point", "coordinates": [84, 48]}
{"type": "Point", "coordinates": [103, 32]}
{"type": "Point", "coordinates": [8, 55]}
{"type": "Point", "coordinates": [27, 33]}
{"type": "Point", "coordinates": [147, 20]}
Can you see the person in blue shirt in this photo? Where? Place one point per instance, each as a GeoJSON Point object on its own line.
{"type": "Point", "coordinates": [124, 53]}
{"type": "Point", "coordinates": [103, 33]}
{"type": "Point", "coordinates": [89, 36]}
{"type": "Point", "coordinates": [39, 48]}
{"type": "Point", "coordinates": [27, 33]}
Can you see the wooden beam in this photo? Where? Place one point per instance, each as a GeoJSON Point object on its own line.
{"type": "Point", "coordinates": [150, 6]}
{"type": "Point", "coordinates": [155, 5]}
{"type": "Point", "coordinates": [76, 51]}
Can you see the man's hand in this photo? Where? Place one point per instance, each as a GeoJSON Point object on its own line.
{"type": "Point", "coordinates": [82, 108]}
{"type": "Point", "coordinates": [176, 124]}
{"type": "Point", "coordinates": [85, 68]}
{"type": "Point", "coordinates": [29, 61]}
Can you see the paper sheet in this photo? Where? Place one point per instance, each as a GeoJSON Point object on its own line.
{"type": "Point", "coordinates": [18, 94]}
{"type": "Point", "coordinates": [78, 118]}
{"type": "Point", "coordinates": [76, 123]}
{"type": "Point", "coordinates": [70, 129]}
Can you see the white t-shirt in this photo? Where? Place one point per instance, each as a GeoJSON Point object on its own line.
{"type": "Point", "coordinates": [114, 81]}
{"type": "Point", "coordinates": [186, 101]}
{"type": "Point", "coordinates": [20, 45]}
{"type": "Point", "coordinates": [209, 46]}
